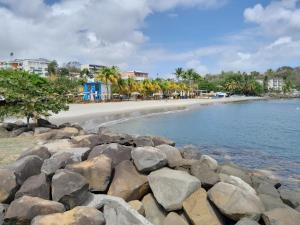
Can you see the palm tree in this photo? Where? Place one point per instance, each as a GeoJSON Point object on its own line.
{"type": "Point", "coordinates": [108, 74]}
{"type": "Point", "coordinates": [179, 73]}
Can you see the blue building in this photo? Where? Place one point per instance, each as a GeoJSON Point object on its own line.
{"type": "Point", "coordinates": [96, 91]}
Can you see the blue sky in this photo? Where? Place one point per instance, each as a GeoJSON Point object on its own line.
{"type": "Point", "coordinates": [153, 35]}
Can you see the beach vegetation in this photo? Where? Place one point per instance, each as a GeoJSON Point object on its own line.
{"type": "Point", "coordinates": [30, 96]}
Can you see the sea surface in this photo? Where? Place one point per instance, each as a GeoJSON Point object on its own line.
{"type": "Point", "coordinates": [261, 135]}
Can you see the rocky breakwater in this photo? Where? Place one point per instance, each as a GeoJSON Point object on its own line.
{"type": "Point", "coordinates": [77, 178]}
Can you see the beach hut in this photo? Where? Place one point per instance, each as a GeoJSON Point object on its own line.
{"type": "Point", "coordinates": [96, 91]}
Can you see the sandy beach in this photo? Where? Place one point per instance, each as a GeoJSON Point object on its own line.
{"type": "Point", "coordinates": [104, 112]}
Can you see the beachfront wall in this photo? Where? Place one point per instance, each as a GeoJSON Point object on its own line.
{"type": "Point", "coordinates": [96, 91]}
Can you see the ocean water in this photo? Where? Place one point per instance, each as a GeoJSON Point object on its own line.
{"type": "Point", "coordinates": [261, 135]}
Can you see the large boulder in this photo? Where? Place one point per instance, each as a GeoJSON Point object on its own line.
{"type": "Point", "coordinates": [268, 189]}
{"type": "Point", "coordinates": [142, 141]}
{"type": "Point", "coordinates": [57, 161]}
{"type": "Point", "coordinates": [157, 140]}
{"type": "Point", "coordinates": [153, 211]}
{"type": "Point", "coordinates": [174, 219]}
{"type": "Point", "coordinates": [259, 177]}
{"type": "Point", "coordinates": [236, 181]}
{"type": "Point", "coordinates": [234, 170]}
{"type": "Point", "coordinates": [116, 152]}
{"type": "Point", "coordinates": [172, 153]}
{"type": "Point", "coordinates": [66, 132]}
{"type": "Point", "coordinates": [247, 221]}
{"type": "Point", "coordinates": [22, 210]}
{"type": "Point", "coordinates": [289, 197]}
{"type": "Point", "coordinates": [200, 211]}
{"type": "Point", "coordinates": [77, 216]}
{"type": "Point", "coordinates": [172, 187]}
{"type": "Point", "coordinates": [271, 202]}
{"type": "Point", "coordinates": [147, 159]}
{"type": "Point", "coordinates": [204, 173]}
{"type": "Point", "coordinates": [69, 188]}
{"type": "Point", "coordinates": [88, 140]}
{"type": "Point", "coordinates": [209, 162]}
{"type": "Point", "coordinates": [45, 123]}
{"type": "Point", "coordinates": [55, 146]}
{"type": "Point", "coordinates": [35, 186]}
{"type": "Point", "coordinates": [128, 183]}
{"type": "Point", "coordinates": [120, 212]}
{"type": "Point", "coordinates": [191, 152]}
{"type": "Point", "coordinates": [41, 130]}
{"type": "Point", "coordinates": [97, 171]}
{"type": "Point", "coordinates": [39, 151]}
{"type": "Point", "coordinates": [8, 185]}
{"type": "Point", "coordinates": [235, 202]}
{"type": "Point", "coordinates": [26, 167]}
{"type": "Point", "coordinates": [107, 137]}
{"type": "Point", "coordinates": [138, 206]}
{"type": "Point", "coordinates": [281, 216]}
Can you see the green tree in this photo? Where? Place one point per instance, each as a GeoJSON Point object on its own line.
{"type": "Point", "coordinates": [108, 75]}
{"type": "Point", "coordinates": [64, 71]}
{"type": "Point", "coordinates": [52, 68]}
{"type": "Point", "coordinates": [179, 73]}
{"type": "Point", "coordinates": [31, 96]}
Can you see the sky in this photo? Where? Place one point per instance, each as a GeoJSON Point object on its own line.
{"type": "Point", "coordinates": [155, 36]}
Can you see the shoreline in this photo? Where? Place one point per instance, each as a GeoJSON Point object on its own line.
{"type": "Point", "coordinates": [114, 111]}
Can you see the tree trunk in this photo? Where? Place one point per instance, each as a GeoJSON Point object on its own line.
{"type": "Point", "coordinates": [28, 120]}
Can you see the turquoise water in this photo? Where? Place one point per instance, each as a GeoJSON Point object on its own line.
{"type": "Point", "coordinates": [258, 134]}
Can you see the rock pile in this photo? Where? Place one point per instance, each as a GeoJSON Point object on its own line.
{"type": "Point", "coordinates": [73, 177]}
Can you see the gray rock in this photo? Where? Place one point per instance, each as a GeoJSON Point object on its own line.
{"type": "Point", "coordinates": [41, 130]}
{"type": "Point", "coordinates": [58, 161]}
{"type": "Point", "coordinates": [289, 197]}
{"type": "Point", "coordinates": [162, 141]}
{"type": "Point", "coordinates": [97, 171]}
{"type": "Point", "coordinates": [235, 202]}
{"type": "Point", "coordinates": [128, 183]}
{"type": "Point", "coordinates": [3, 209]}
{"type": "Point", "coordinates": [191, 152]}
{"type": "Point", "coordinates": [142, 141]}
{"type": "Point", "coordinates": [174, 219]}
{"type": "Point", "coordinates": [258, 178]}
{"type": "Point", "coordinates": [66, 132]}
{"type": "Point", "coordinates": [69, 188]}
{"type": "Point", "coordinates": [153, 211]}
{"type": "Point", "coordinates": [19, 131]}
{"type": "Point", "coordinates": [35, 186]}
{"type": "Point", "coordinates": [22, 210]}
{"type": "Point", "coordinates": [236, 171]}
{"type": "Point", "coordinates": [107, 137]}
{"type": "Point", "coordinates": [55, 146]}
{"type": "Point", "coordinates": [172, 187]}
{"type": "Point", "coordinates": [89, 140]}
{"type": "Point", "coordinates": [8, 185]}
{"type": "Point", "coordinates": [281, 216]}
{"type": "Point", "coordinates": [268, 189]}
{"type": "Point", "coordinates": [116, 152]}
{"type": "Point", "coordinates": [39, 151]}
{"type": "Point", "coordinates": [205, 174]}
{"type": "Point", "coordinates": [247, 221]}
{"type": "Point", "coordinates": [77, 216]}
{"type": "Point", "coordinates": [271, 202]}
{"type": "Point", "coordinates": [124, 213]}
{"type": "Point", "coordinates": [26, 167]}
{"type": "Point", "coordinates": [209, 162]}
{"type": "Point", "coordinates": [236, 181]}
{"type": "Point", "coordinates": [172, 153]}
{"type": "Point", "coordinates": [147, 159]}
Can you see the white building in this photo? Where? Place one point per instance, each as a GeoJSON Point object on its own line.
{"type": "Point", "coordinates": [92, 68]}
{"type": "Point", "coordinates": [136, 75]}
{"type": "Point", "coordinates": [38, 66]}
{"type": "Point", "coordinates": [275, 84]}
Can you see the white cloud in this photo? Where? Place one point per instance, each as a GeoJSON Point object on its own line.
{"type": "Point", "coordinates": [106, 31]}
{"type": "Point", "coordinates": [198, 66]}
